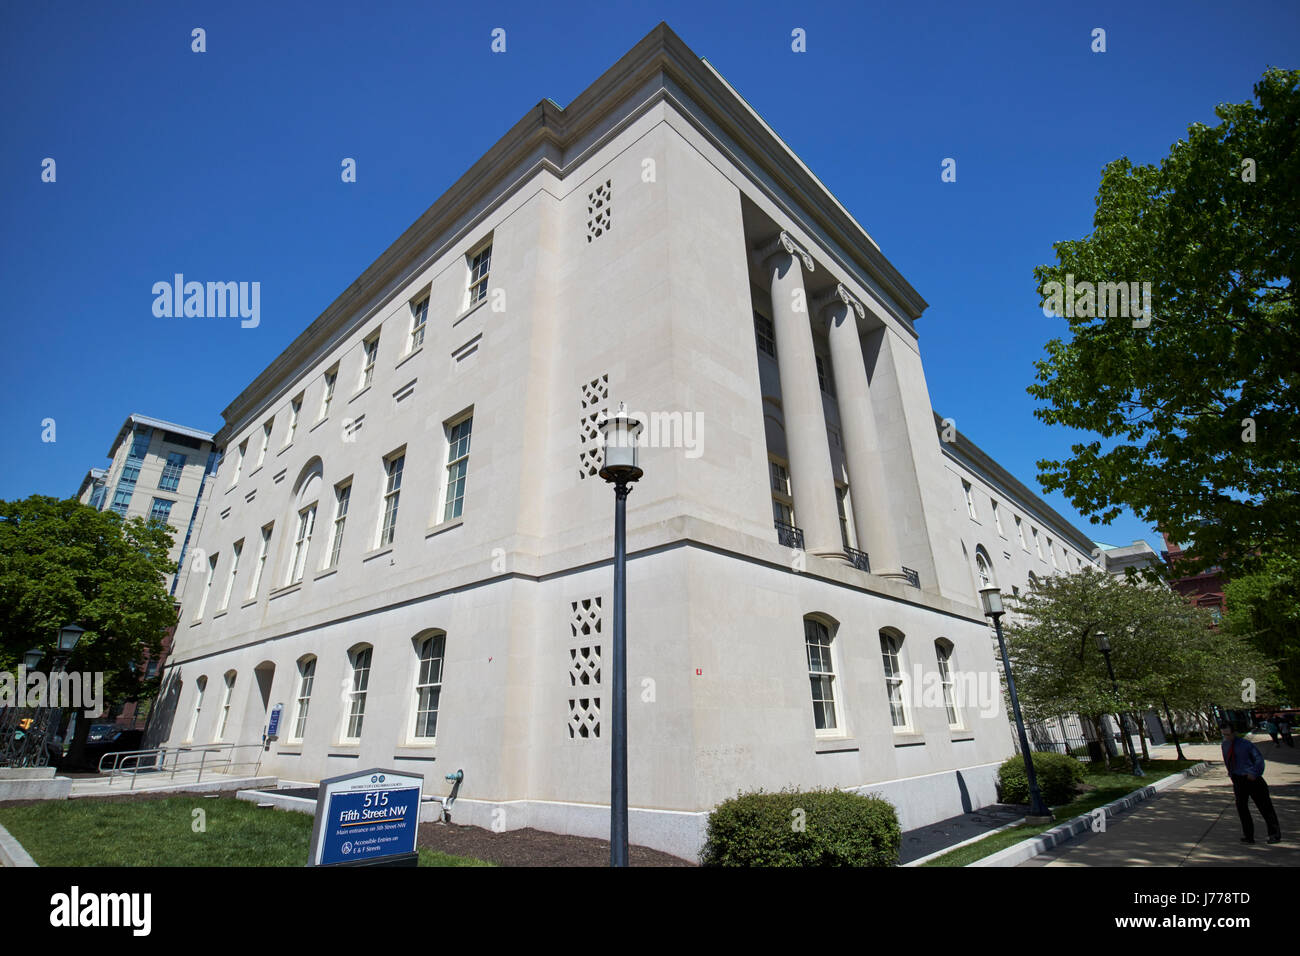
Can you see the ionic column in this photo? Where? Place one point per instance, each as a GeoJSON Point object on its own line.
{"type": "Point", "coordinates": [811, 477]}
{"type": "Point", "coordinates": [868, 493]}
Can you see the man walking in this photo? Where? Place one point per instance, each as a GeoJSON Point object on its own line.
{"type": "Point", "coordinates": [1284, 728]}
{"type": "Point", "coordinates": [1246, 768]}
{"type": "Point", "coordinates": [1270, 728]}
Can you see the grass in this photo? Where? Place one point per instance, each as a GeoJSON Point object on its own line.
{"type": "Point", "coordinates": [161, 833]}
{"type": "Point", "coordinates": [1111, 783]}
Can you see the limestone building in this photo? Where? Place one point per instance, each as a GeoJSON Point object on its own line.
{"type": "Point", "coordinates": [408, 547]}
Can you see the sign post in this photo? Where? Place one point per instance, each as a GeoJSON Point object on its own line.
{"type": "Point", "coordinates": [369, 818]}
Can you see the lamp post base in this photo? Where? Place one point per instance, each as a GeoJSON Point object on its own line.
{"type": "Point", "coordinates": [1037, 821]}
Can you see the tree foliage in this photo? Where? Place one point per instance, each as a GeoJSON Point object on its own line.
{"type": "Point", "coordinates": [1198, 409]}
{"type": "Point", "coordinates": [1264, 608]}
{"type": "Point", "coordinates": [62, 562]}
{"type": "Point", "coordinates": [1162, 649]}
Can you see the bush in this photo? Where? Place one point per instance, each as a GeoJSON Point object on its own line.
{"type": "Point", "coordinates": [813, 828]}
{"type": "Point", "coordinates": [1058, 778]}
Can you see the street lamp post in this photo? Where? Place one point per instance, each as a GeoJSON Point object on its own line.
{"type": "Point", "coordinates": [1103, 643]}
{"type": "Point", "coordinates": [621, 469]}
{"type": "Point", "coordinates": [991, 597]}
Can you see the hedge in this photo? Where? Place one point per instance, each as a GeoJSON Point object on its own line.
{"type": "Point", "coordinates": [812, 828]}
{"type": "Point", "coordinates": [1058, 778]}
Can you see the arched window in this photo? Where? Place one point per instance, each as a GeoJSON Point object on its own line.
{"type": "Point", "coordinates": [225, 705]}
{"type": "Point", "coordinates": [359, 659]}
{"type": "Point", "coordinates": [943, 653]}
{"type": "Point", "coordinates": [1033, 581]}
{"type": "Point", "coordinates": [983, 568]}
{"type": "Point", "coordinates": [890, 642]}
{"type": "Point", "coordinates": [821, 672]}
{"type": "Point", "coordinates": [200, 686]}
{"type": "Point", "coordinates": [302, 702]}
{"type": "Point", "coordinates": [429, 652]}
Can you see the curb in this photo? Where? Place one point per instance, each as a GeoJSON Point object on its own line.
{"type": "Point", "coordinates": [1028, 849]}
{"type": "Point", "coordinates": [12, 852]}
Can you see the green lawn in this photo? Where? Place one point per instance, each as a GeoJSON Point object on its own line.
{"type": "Point", "coordinates": [1111, 782]}
{"type": "Point", "coordinates": [161, 833]}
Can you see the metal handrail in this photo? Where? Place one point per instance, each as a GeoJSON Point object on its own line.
{"type": "Point", "coordinates": [913, 578]}
{"type": "Point", "coordinates": [859, 559]}
{"type": "Point", "coordinates": [155, 759]}
{"type": "Point", "coordinates": [788, 535]}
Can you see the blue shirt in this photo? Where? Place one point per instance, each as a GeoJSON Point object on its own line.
{"type": "Point", "coordinates": [1246, 758]}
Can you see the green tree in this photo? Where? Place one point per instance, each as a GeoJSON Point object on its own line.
{"type": "Point", "coordinates": [1164, 651]}
{"type": "Point", "coordinates": [1264, 608]}
{"type": "Point", "coordinates": [62, 562]}
{"type": "Point", "coordinates": [1198, 408]}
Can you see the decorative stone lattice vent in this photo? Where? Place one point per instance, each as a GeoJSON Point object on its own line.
{"type": "Point", "coordinates": [598, 210]}
{"type": "Point", "coordinates": [591, 453]}
{"type": "Point", "coordinates": [584, 668]}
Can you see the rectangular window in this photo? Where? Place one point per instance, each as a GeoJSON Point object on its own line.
{"type": "Point", "coordinates": [782, 503]}
{"type": "Point", "coordinates": [122, 499]}
{"type": "Point", "coordinates": [306, 677]}
{"type": "Point", "coordinates": [200, 686]}
{"type": "Point", "coordinates": [171, 473]}
{"type": "Point", "coordinates": [841, 504]}
{"type": "Point", "coordinates": [331, 377]}
{"type": "Point", "coordinates": [301, 543]}
{"type": "Point", "coordinates": [295, 408]}
{"type": "Point", "coordinates": [944, 654]}
{"type": "Point", "coordinates": [225, 706]}
{"type": "Point", "coordinates": [207, 588]}
{"type": "Point", "coordinates": [357, 697]}
{"type": "Point", "coordinates": [997, 517]}
{"type": "Point", "coordinates": [161, 510]}
{"type": "Point", "coordinates": [1038, 545]}
{"type": "Point", "coordinates": [1052, 551]}
{"type": "Point", "coordinates": [342, 496]}
{"type": "Point", "coordinates": [970, 500]}
{"type": "Point", "coordinates": [457, 466]}
{"type": "Point", "coordinates": [893, 680]}
{"type": "Point", "coordinates": [824, 377]}
{"type": "Point", "coordinates": [140, 444]}
{"type": "Point", "coordinates": [239, 462]}
{"type": "Point", "coordinates": [765, 334]}
{"type": "Point", "coordinates": [479, 265]}
{"type": "Point", "coordinates": [821, 673]}
{"type": "Point", "coordinates": [419, 316]}
{"type": "Point", "coordinates": [236, 551]}
{"type": "Point", "coordinates": [428, 686]}
{"type": "Point", "coordinates": [1020, 532]}
{"type": "Point", "coordinates": [266, 441]}
{"type": "Point", "coordinates": [370, 348]}
{"type": "Point", "coordinates": [262, 550]}
{"type": "Point", "coordinates": [392, 490]}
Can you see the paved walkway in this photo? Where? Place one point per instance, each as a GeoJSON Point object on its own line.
{"type": "Point", "coordinates": [1196, 824]}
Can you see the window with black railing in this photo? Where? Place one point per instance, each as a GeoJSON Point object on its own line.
{"type": "Point", "coordinates": [789, 535]}
{"type": "Point", "coordinates": [859, 559]}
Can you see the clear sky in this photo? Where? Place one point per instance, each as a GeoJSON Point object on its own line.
{"type": "Point", "coordinates": [225, 165]}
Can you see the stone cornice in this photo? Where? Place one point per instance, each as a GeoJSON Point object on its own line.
{"type": "Point", "coordinates": [555, 140]}
{"type": "Point", "coordinates": [975, 457]}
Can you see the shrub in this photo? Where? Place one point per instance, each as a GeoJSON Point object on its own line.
{"type": "Point", "coordinates": [812, 828]}
{"type": "Point", "coordinates": [1058, 778]}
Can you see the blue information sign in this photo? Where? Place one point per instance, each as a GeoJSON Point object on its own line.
{"type": "Point", "coordinates": [366, 817]}
{"type": "Point", "coordinates": [273, 728]}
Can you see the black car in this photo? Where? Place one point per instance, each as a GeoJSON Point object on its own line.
{"type": "Point", "coordinates": [108, 739]}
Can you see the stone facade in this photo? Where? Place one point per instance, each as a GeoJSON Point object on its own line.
{"type": "Point", "coordinates": [435, 589]}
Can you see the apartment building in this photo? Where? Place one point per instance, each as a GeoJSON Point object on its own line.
{"type": "Point", "coordinates": [408, 547]}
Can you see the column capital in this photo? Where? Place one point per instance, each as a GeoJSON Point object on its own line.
{"type": "Point", "coordinates": [842, 295]}
{"type": "Point", "coordinates": [783, 242]}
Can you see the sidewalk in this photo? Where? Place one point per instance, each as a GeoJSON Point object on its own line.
{"type": "Point", "coordinates": [1196, 824]}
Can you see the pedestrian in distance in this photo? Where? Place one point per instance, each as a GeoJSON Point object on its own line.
{"type": "Point", "coordinates": [1270, 728]}
{"type": "Point", "coordinates": [1284, 728]}
{"type": "Point", "coordinates": [1246, 769]}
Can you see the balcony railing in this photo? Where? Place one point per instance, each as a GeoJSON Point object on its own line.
{"type": "Point", "coordinates": [913, 578]}
{"type": "Point", "coordinates": [789, 535]}
{"type": "Point", "coordinates": [859, 559]}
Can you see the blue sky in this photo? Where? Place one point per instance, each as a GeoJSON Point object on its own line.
{"type": "Point", "coordinates": [225, 165]}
